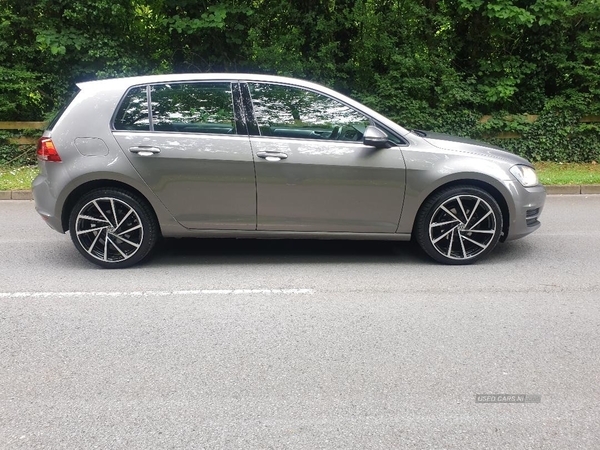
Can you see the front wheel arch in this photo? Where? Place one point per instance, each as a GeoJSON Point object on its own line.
{"type": "Point", "coordinates": [459, 224]}
{"type": "Point", "coordinates": [491, 190]}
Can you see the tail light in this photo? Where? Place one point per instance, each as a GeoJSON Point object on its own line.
{"type": "Point", "coordinates": [46, 151]}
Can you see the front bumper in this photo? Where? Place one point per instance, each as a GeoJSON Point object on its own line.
{"type": "Point", "coordinates": [528, 206]}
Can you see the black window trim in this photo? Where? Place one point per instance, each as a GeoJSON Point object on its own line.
{"type": "Point", "coordinates": [149, 101]}
{"type": "Point", "coordinates": [251, 122]}
{"type": "Point", "coordinates": [241, 127]}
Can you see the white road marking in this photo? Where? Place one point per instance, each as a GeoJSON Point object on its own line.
{"type": "Point", "coordinates": [72, 294]}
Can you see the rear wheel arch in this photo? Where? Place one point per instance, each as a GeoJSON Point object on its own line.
{"type": "Point", "coordinates": [89, 186]}
{"type": "Point", "coordinates": [113, 227]}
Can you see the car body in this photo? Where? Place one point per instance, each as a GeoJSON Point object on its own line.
{"type": "Point", "coordinates": [250, 156]}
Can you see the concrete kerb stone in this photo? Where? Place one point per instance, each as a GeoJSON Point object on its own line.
{"type": "Point", "coordinates": [5, 195]}
{"type": "Point", "coordinates": [590, 188]}
{"type": "Point", "coordinates": [563, 189]}
{"type": "Point", "coordinates": [22, 195]}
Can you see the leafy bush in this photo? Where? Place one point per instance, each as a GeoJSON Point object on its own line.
{"type": "Point", "coordinates": [17, 155]}
{"type": "Point", "coordinates": [435, 64]}
{"type": "Point", "coordinates": [557, 135]}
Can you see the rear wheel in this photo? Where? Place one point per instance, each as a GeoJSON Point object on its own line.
{"type": "Point", "coordinates": [113, 228]}
{"type": "Point", "coordinates": [459, 225]}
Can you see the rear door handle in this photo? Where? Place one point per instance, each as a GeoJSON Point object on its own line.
{"type": "Point", "coordinates": [144, 151]}
{"type": "Point", "coordinates": [272, 156]}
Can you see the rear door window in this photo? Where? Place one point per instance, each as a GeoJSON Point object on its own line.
{"type": "Point", "coordinates": [193, 108]}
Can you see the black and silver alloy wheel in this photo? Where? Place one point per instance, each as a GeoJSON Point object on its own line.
{"type": "Point", "coordinates": [459, 225]}
{"type": "Point", "coordinates": [112, 228]}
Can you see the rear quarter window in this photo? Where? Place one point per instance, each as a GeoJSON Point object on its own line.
{"type": "Point", "coordinates": [132, 113]}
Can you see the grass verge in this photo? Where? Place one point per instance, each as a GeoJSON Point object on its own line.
{"type": "Point", "coordinates": [568, 173]}
{"type": "Point", "coordinates": [15, 178]}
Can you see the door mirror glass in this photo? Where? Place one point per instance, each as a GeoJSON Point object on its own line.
{"type": "Point", "coordinates": [374, 137]}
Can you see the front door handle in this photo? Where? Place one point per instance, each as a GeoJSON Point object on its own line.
{"type": "Point", "coordinates": [272, 156]}
{"type": "Point", "coordinates": [144, 150]}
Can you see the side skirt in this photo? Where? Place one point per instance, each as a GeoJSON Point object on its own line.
{"type": "Point", "coordinates": [242, 234]}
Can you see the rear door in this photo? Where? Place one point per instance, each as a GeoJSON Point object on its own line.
{"type": "Point", "coordinates": [192, 149]}
{"type": "Point", "coordinates": [313, 172]}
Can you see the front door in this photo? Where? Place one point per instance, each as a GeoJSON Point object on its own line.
{"type": "Point", "coordinates": [313, 173]}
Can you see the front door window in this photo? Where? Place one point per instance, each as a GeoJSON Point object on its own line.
{"type": "Point", "coordinates": [290, 112]}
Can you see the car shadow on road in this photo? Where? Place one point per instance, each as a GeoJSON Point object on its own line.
{"type": "Point", "coordinates": [197, 251]}
{"type": "Point", "coordinates": [284, 251]}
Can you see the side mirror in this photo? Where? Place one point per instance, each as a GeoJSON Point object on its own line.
{"type": "Point", "coordinates": [374, 137]}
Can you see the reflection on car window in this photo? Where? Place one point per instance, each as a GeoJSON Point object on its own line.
{"type": "Point", "coordinates": [285, 111]}
{"type": "Point", "coordinates": [133, 112]}
{"type": "Point", "coordinates": [193, 108]}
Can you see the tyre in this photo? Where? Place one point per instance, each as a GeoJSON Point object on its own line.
{"type": "Point", "coordinates": [459, 225]}
{"type": "Point", "coordinates": [113, 228]}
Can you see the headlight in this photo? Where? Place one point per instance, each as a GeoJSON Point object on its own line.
{"type": "Point", "coordinates": [526, 175]}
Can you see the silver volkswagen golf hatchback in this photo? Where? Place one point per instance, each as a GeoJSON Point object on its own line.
{"type": "Point", "coordinates": [131, 160]}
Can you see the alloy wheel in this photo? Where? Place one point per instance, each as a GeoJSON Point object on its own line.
{"type": "Point", "coordinates": [462, 227]}
{"type": "Point", "coordinates": [109, 229]}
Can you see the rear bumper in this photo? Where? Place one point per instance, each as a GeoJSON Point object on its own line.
{"type": "Point", "coordinates": [45, 203]}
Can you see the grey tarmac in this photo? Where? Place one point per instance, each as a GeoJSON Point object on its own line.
{"type": "Point", "coordinates": [234, 344]}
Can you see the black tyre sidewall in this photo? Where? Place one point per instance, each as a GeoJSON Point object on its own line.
{"type": "Point", "coordinates": [431, 205]}
{"type": "Point", "coordinates": [147, 218]}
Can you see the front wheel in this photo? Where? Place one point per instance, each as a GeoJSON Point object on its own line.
{"type": "Point", "coordinates": [459, 225]}
{"type": "Point", "coordinates": [113, 228]}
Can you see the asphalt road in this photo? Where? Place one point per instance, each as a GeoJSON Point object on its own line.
{"type": "Point", "coordinates": [301, 345]}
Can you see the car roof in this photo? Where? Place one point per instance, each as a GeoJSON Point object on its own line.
{"type": "Point", "coordinates": [176, 77]}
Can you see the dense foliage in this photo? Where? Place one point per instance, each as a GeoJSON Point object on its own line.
{"type": "Point", "coordinates": [429, 64]}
